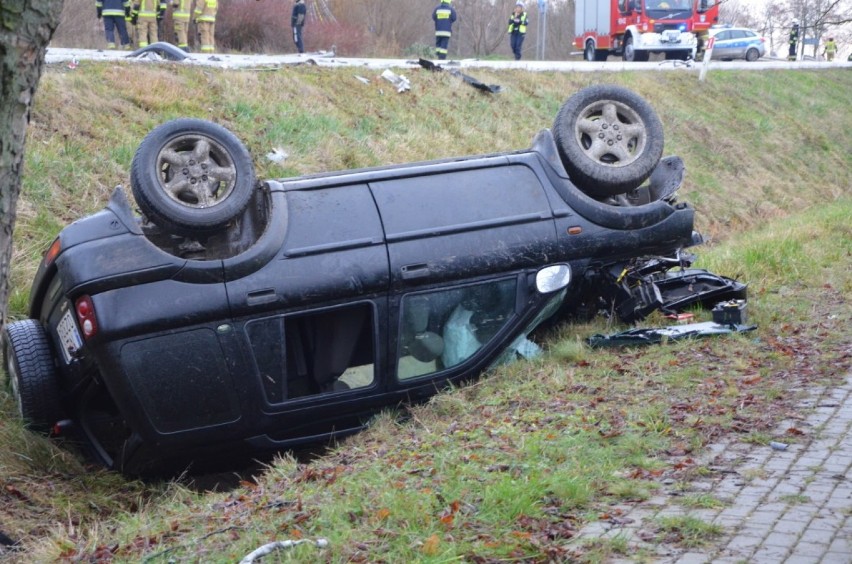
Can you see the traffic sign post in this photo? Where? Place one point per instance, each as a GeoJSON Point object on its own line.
{"type": "Point", "coordinates": [708, 52]}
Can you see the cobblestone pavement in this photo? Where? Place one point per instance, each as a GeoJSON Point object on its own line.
{"type": "Point", "coordinates": [785, 503]}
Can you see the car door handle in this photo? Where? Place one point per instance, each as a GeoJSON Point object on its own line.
{"type": "Point", "coordinates": [410, 271]}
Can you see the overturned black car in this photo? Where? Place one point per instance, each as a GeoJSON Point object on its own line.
{"type": "Point", "coordinates": [237, 317]}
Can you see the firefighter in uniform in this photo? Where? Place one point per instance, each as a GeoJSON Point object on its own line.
{"type": "Point", "coordinates": [297, 21]}
{"type": "Point", "coordinates": [794, 41]}
{"type": "Point", "coordinates": [205, 19]}
{"type": "Point", "coordinates": [147, 13]}
{"type": "Point", "coordinates": [444, 16]}
{"type": "Point", "coordinates": [180, 18]}
{"type": "Point", "coordinates": [130, 18]}
{"type": "Point", "coordinates": [113, 12]}
{"type": "Point", "coordinates": [518, 23]}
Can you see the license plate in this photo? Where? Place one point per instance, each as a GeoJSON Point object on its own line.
{"type": "Point", "coordinates": [69, 336]}
{"type": "Point", "coordinates": [670, 36]}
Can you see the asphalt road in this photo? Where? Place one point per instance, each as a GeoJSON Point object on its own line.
{"type": "Point", "coordinates": [73, 57]}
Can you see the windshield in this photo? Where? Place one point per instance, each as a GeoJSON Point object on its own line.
{"type": "Point", "coordinates": [669, 9]}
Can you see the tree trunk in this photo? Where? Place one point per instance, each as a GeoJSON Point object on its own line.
{"type": "Point", "coordinates": [26, 27]}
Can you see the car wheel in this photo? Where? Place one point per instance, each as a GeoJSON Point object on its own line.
{"type": "Point", "coordinates": [192, 175]}
{"type": "Point", "coordinates": [609, 138]}
{"type": "Point", "coordinates": [752, 55]}
{"type": "Point", "coordinates": [31, 373]}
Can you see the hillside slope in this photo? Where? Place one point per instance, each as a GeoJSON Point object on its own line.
{"type": "Point", "coordinates": [756, 144]}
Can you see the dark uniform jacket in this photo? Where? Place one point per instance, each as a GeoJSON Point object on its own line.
{"type": "Point", "coordinates": [444, 16]}
{"type": "Point", "coordinates": [298, 17]}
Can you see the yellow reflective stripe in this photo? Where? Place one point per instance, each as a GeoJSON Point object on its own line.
{"type": "Point", "coordinates": [443, 34]}
{"type": "Point", "coordinates": [443, 14]}
{"type": "Point", "coordinates": [113, 13]}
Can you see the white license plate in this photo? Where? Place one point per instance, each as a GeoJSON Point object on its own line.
{"type": "Point", "coordinates": [69, 336]}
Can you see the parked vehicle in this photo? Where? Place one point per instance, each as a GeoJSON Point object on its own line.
{"type": "Point", "coordinates": [636, 28]}
{"type": "Point", "coordinates": [737, 43]}
{"type": "Point", "coordinates": [238, 317]}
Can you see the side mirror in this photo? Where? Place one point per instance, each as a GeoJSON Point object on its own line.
{"type": "Point", "coordinates": [552, 278]}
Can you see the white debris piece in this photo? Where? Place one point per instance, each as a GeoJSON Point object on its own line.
{"type": "Point", "coordinates": [363, 79]}
{"type": "Point", "coordinates": [273, 546]}
{"type": "Point", "coordinates": [402, 84]}
{"type": "Point", "coordinates": [277, 155]}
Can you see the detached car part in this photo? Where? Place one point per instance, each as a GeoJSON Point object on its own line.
{"type": "Point", "coordinates": [237, 317]}
{"type": "Point", "coordinates": [647, 335]}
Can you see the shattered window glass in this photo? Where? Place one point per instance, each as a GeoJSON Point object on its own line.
{"type": "Point", "coordinates": [444, 328]}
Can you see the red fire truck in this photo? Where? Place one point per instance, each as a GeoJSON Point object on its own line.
{"type": "Point", "coordinates": [636, 28]}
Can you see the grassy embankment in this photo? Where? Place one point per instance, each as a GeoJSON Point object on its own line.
{"type": "Point", "coordinates": [509, 467]}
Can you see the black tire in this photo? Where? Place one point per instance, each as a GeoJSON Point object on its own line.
{"type": "Point", "coordinates": [192, 176]}
{"type": "Point", "coordinates": [609, 138]}
{"type": "Point", "coordinates": [631, 55]}
{"type": "Point", "coordinates": [32, 377]}
{"type": "Point", "coordinates": [589, 51]}
{"type": "Point", "coordinates": [752, 55]}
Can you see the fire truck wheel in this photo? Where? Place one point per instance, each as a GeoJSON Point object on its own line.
{"type": "Point", "coordinates": [630, 54]}
{"type": "Point", "coordinates": [192, 176]}
{"type": "Point", "coordinates": [609, 138]}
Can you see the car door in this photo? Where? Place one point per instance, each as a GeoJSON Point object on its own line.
{"type": "Point", "coordinates": [722, 45]}
{"type": "Point", "coordinates": [464, 220]}
{"type": "Point", "coordinates": [739, 43]}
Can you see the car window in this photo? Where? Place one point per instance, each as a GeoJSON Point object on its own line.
{"type": "Point", "coordinates": [738, 34]}
{"type": "Point", "coordinates": [750, 34]}
{"type": "Point", "coordinates": [314, 353]}
{"type": "Point", "coordinates": [723, 35]}
{"type": "Point", "coordinates": [443, 328]}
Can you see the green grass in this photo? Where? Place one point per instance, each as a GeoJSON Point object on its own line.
{"type": "Point", "coordinates": [689, 531]}
{"type": "Point", "coordinates": [509, 467]}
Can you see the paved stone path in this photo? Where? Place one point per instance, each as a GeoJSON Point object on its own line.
{"type": "Point", "coordinates": [789, 504]}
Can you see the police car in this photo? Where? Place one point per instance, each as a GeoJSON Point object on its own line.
{"type": "Point", "coordinates": [737, 43]}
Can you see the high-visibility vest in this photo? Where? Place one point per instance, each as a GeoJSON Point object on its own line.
{"type": "Point", "coordinates": [520, 27]}
{"type": "Point", "coordinates": [205, 11]}
{"type": "Point", "coordinates": [182, 9]}
{"type": "Point", "coordinates": [148, 9]}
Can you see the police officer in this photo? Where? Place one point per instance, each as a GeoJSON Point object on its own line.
{"type": "Point", "coordinates": [205, 19]}
{"type": "Point", "coordinates": [444, 16]}
{"type": "Point", "coordinates": [518, 23]}
{"type": "Point", "coordinates": [297, 21]}
{"type": "Point", "coordinates": [113, 12]}
{"type": "Point", "coordinates": [830, 49]}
